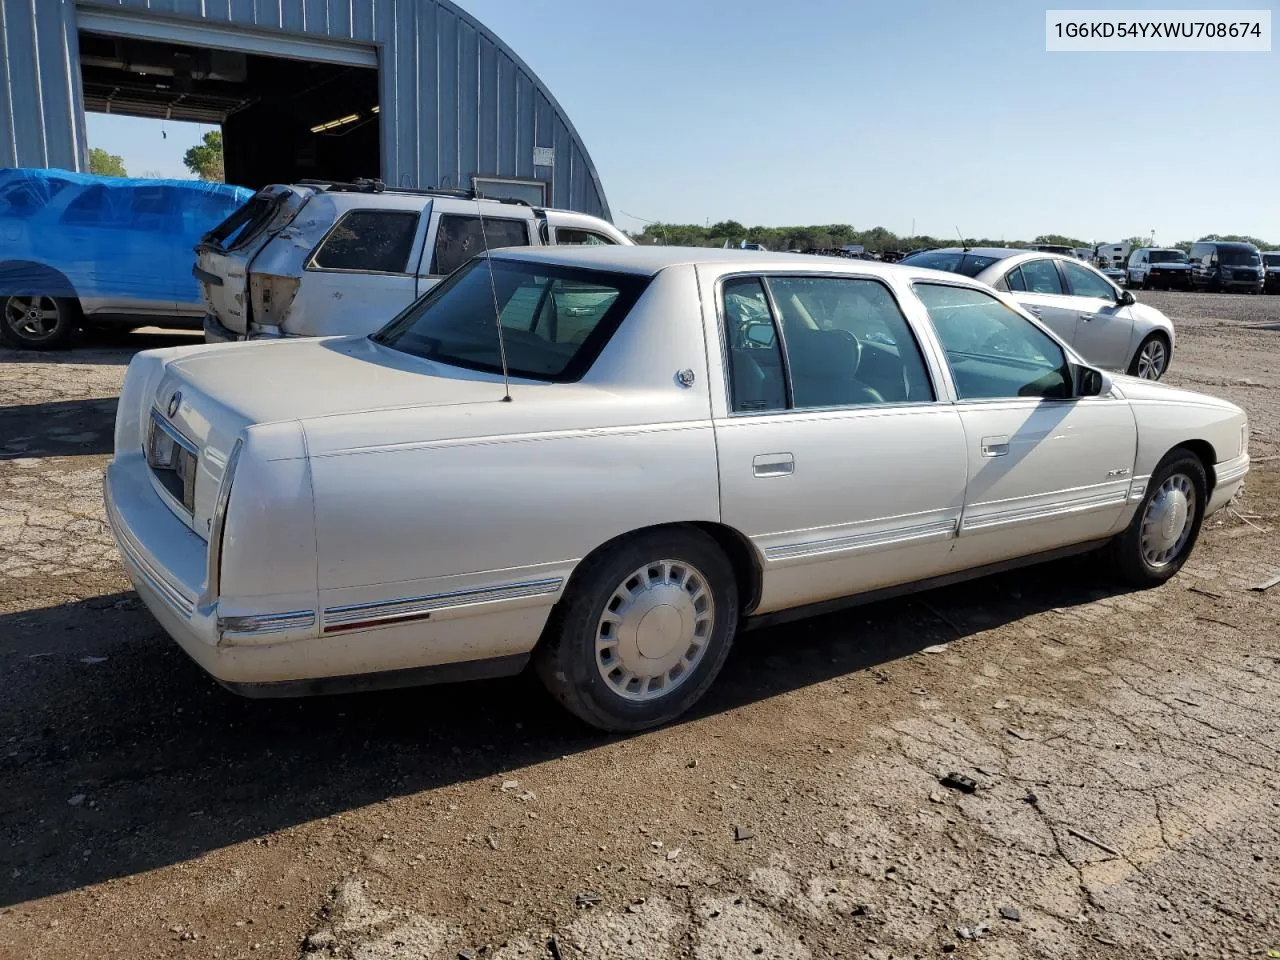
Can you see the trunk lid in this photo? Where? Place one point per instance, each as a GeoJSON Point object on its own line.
{"type": "Point", "coordinates": [225, 253]}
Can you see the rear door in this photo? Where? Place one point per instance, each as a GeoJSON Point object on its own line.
{"type": "Point", "coordinates": [224, 254]}
{"type": "Point", "coordinates": [1039, 288]}
{"type": "Point", "coordinates": [359, 276]}
{"type": "Point", "coordinates": [1104, 326]}
{"type": "Point", "coordinates": [455, 236]}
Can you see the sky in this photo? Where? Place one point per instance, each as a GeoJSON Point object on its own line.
{"type": "Point", "coordinates": [933, 113]}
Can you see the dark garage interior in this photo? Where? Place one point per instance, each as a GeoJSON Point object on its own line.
{"type": "Point", "coordinates": [282, 119]}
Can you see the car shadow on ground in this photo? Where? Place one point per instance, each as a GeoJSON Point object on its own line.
{"type": "Point", "coordinates": [62, 428]}
{"type": "Point", "coordinates": [155, 764]}
{"type": "Point", "coordinates": [106, 347]}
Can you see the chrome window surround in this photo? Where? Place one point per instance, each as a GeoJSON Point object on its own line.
{"type": "Point", "coordinates": [935, 367]}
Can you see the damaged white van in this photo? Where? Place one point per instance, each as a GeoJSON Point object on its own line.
{"type": "Point", "coordinates": [320, 258]}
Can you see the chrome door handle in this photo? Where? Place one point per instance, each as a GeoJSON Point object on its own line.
{"type": "Point", "coordinates": [995, 446]}
{"type": "Point", "coordinates": [1086, 317]}
{"type": "Point", "coordinates": [773, 465]}
{"type": "Point", "coordinates": [1034, 311]}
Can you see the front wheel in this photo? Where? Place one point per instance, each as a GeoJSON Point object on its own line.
{"type": "Point", "coordinates": [1164, 531]}
{"type": "Point", "coordinates": [35, 322]}
{"type": "Point", "coordinates": [643, 628]}
{"type": "Point", "coordinates": [1152, 358]}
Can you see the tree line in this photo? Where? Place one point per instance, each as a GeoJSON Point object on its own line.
{"type": "Point", "coordinates": [875, 240]}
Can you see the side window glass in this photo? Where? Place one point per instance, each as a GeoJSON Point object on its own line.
{"type": "Point", "coordinates": [755, 355]}
{"type": "Point", "coordinates": [1015, 279]}
{"type": "Point", "coordinates": [373, 240]}
{"type": "Point", "coordinates": [847, 343]}
{"type": "Point", "coordinates": [573, 235]}
{"type": "Point", "coordinates": [1085, 283]}
{"type": "Point", "coordinates": [88, 209]}
{"type": "Point", "coordinates": [992, 351]}
{"type": "Point", "coordinates": [458, 239]}
{"type": "Point", "coordinates": [1041, 276]}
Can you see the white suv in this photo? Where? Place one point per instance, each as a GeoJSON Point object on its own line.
{"type": "Point", "coordinates": [319, 258]}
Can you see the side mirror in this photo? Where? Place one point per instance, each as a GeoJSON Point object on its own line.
{"type": "Point", "coordinates": [1126, 298]}
{"type": "Point", "coordinates": [1091, 382]}
{"type": "Point", "coordinates": [760, 333]}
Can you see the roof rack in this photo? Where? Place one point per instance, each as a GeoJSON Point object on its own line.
{"type": "Point", "coordinates": [375, 185]}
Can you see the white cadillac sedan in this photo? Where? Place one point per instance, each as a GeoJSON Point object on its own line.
{"type": "Point", "coordinates": [691, 440]}
{"type": "Point", "coordinates": [1105, 325]}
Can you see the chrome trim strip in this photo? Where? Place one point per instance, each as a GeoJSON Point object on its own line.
{"type": "Point", "coordinates": [941, 529]}
{"type": "Point", "coordinates": [384, 612]}
{"type": "Point", "coordinates": [1098, 501]}
{"type": "Point", "coordinates": [1138, 488]}
{"type": "Point", "coordinates": [258, 624]}
{"type": "Point", "coordinates": [164, 588]}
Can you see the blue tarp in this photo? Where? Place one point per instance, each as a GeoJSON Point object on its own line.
{"type": "Point", "coordinates": [122, 239]}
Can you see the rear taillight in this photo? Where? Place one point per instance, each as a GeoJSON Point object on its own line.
{"type": "Point", "coordinates": [270, 297]}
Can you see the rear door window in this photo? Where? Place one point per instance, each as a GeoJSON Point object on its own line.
{"type": "Point", "coordinates": [1041, 276]}
{"type": "Point", "coordinates": [567, 236]}
{"type": "Point", "coordinates": [459, 238]}
{"type": "Point", "coordinates": [1015, 281]}
{"type": "Point", "coordinates": [372, 241]}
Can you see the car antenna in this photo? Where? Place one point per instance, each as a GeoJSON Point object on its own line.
{"type": "Point", "coordinates": [497, 312]}
{"type": "Point", "coordinates": [964, 244]}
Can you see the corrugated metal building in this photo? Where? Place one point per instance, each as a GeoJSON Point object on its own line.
{"type": "Point", "coordinates": [285, 78]}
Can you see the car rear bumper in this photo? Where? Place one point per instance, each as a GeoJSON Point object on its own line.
{"type": "Point", "coordinates": [215, 332]}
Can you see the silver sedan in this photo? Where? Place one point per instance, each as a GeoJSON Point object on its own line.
{"type": "Point", "coordinates": [1103, 323]}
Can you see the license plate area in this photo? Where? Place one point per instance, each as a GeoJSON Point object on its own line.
{"type": "Point", "coordinates": [173, 460]}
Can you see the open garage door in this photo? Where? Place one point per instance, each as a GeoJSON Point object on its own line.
{"type": "Point", "coordinates": [290, 108]}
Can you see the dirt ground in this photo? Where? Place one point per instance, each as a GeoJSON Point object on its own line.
{"type": "Point", "coordinates": [1125, 746]}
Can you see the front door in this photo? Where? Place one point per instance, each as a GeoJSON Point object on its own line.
{"type": "Point", "coordinates": [1047, 469]}
{"type": "Point", "coordinates": [836, 459]}
{"type": "Point", "coordinates": [1104, 326]}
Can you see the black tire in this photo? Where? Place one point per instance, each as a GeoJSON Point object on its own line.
{"type": "Point", "coordinates": [1128, 556]}
{"type": "Point", "coordinates": [1135, 363]}
{"type": "Point", "coordinates": [566, 659]}
{"type": "Point", "coordinates": [52, 329]}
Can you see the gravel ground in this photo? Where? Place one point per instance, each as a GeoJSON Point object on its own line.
{"type": "Point", "coordinates": [1125, 748]}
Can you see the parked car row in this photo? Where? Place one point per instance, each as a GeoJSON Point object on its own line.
{"type": "Point", "coordinates": [606, 460]}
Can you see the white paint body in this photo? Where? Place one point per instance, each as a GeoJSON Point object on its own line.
{"type": "Point", "coordinates": [373, 485]}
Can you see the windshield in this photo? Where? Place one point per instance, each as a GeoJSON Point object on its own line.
{"type": "Point", "coordinates": [555, 320]}
{"type": "Point", "coordinates": [966, 264]}
{"type": "Point", "coordinates": [1272, 259]}
{"type": "Point", "coordinates": [1238, 257]}
{"type": "Point", "coordinates": [1168, 256]}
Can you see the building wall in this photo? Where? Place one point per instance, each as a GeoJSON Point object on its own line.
{"type": "Point", "coordinates": [456, 100]}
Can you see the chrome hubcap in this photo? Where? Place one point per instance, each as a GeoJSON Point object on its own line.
{"type": "Point", "coordinates": [655, 629]}
{"type": "Point", "coordinates": [33, 317]}
{"type": "Point", "coordinates": [1167, 522]}
{"type": "Point", "coordinates": [1152, 360]}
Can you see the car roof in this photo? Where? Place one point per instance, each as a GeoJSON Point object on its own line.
{"type": "Point", "coordinates": [1225, 243]}
{"type": "Point", "coordinates": [649, 260]}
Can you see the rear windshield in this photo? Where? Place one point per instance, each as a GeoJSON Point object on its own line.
{"type": "Point", "coordinates": [247, 222]}
{"type": "Point", "coordinates": [1168, 256]}
{"type": "Point", "coordinates": [1237, 257]}
{"type": "Point", "coordinates": [967, 264]}
{"type": "Point", "coordinates": [555, 320]}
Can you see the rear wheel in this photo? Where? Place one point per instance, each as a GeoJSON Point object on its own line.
{"type": "Point", "coordinates": [1164, 531]}
{"type": "Point", "coordinates": [644, 627]}
{"type": "Point", "coordinates": [1152, 358]}
{"type": "Point", "coordinates": [36, 322]}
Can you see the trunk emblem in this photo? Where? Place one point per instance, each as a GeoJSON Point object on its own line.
{"type": "Point", "coordinates": [174, 403]}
